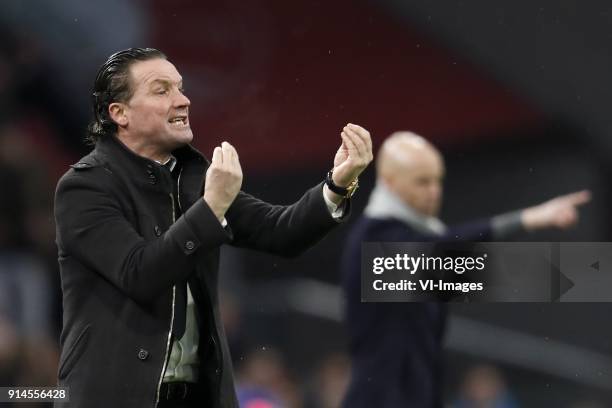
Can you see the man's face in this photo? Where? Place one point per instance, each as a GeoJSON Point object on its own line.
{"type": "Point", "coordinates": [158, 111]}
{"type": "Point", "coordinates": [420, 184]}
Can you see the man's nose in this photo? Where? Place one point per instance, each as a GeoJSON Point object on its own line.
{"type": "Point", "coordinates": [181, 100]}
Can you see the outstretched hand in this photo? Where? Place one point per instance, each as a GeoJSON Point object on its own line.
{"type": "Point", "coordinates": [560, 212]}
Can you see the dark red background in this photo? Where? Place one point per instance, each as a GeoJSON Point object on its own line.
{"type": "Point", "coordinates": [279, 79]}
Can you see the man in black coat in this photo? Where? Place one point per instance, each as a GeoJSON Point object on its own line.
{"type": "Point", "coordinates": [139, 224]}
{"type": "Point", "coordinates": [396, 348]}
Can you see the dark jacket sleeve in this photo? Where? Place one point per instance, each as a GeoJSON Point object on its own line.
{"type": "Point", "coordinates": [283, 230]}
{"type": "Point", "coordinates": [92, 228]}
{"type": "Point", "coordinates": [477, 230]}
{"type": "Point", "coordinates": [392, 230]}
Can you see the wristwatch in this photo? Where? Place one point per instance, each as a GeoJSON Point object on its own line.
{"type": "Point", "coordinates": [346, 192]}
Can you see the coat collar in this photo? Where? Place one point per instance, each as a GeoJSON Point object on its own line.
{"type": "Point", "coordinates": [384, 204]}
{"type": "Point", "coordinates": [119, 156]}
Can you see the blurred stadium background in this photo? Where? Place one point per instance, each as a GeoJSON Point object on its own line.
{"type": "Point", "coordinates": [516, 94]}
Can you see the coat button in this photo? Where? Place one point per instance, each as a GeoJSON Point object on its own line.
{"type": "Point", "coordinates": [143, 354]}
{"type": "Point", "coordinates": [189, 245]}
{"type": "Point", "coordinates": [157, 230]}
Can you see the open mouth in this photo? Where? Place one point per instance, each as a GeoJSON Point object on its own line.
{"type": "Point", "coordinates": [179, 121]}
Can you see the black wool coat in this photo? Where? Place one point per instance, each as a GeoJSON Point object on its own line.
{"type": "Point", "coordinates": [121, 251]}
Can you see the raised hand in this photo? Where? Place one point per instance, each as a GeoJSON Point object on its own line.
{"type": "Point", "coordinates": [223, 179]}
{"type": "Point", "coordinates": [353, 156]}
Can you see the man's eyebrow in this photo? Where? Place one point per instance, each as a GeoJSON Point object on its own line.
{"type": "Point", "coordinates": [165, 82]}
{"type": "Point", "coordinates": [160, 81]}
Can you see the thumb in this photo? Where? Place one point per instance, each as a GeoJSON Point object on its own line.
{"type": "Point", "coordinates": [217, 158]}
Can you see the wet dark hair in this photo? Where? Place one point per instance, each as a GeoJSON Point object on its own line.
{"type": "Point", "coordinates": [112, 85]}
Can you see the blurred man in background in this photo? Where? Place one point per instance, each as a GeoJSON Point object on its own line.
{"type": "Point", "coordinates": [264, 381]}
{"type": "Point", "coordinates": [140, 221]}
{"type": "Point", "coordinates": [396, 347]}
{"type": "Point", "coordinates": [484, 387]}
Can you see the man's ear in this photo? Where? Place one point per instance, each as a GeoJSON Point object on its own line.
{"type": "Point", "coordinates": [117, 113]}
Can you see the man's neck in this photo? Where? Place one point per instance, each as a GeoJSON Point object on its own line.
{"type": "Point", "coordinates": [145, 150]}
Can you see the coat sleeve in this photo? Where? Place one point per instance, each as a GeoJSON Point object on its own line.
{"type": "Point", "coordinates": [477, 230]}
{"type": "Point", "coordinates": [92, 228]}
{"type": "Point", "coordinates": [283, 230]}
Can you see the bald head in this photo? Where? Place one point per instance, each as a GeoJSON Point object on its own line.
{"type": "Point", "coordinates": [413, 169]}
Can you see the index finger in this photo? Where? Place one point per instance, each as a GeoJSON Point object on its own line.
{"type": "Point", "coordinates": [362, 133]}
{"type": "Point", "coordinates": [231, 154]}
{"type": "Point", "coordinates": [228, 151]}
{"type": "Point", "coordinates": [579, 197]}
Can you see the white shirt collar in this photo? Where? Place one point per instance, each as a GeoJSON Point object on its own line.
{"type": "Point", "coordinates": [170, 163]}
